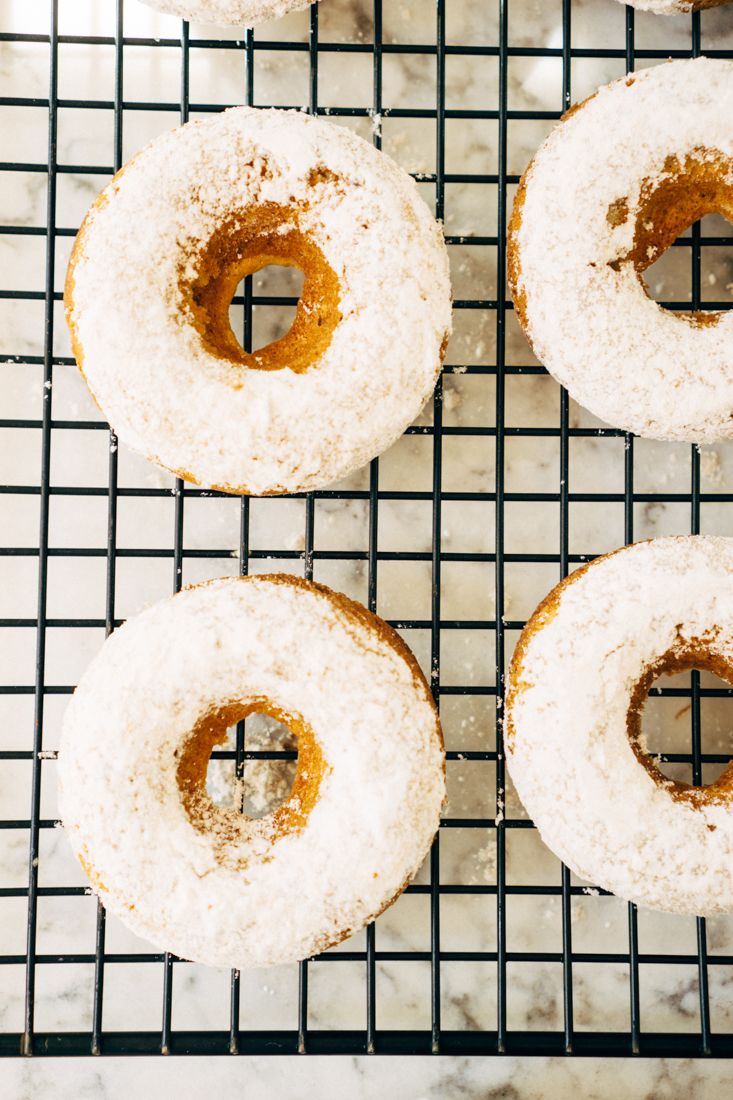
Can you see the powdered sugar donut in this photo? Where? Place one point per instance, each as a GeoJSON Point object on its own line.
{"type": "Point", "coordinates": [228, 12]}
{"type": "Point", "coordinates": [157, 261]}
{"type": "Point", "coordinates": [206, 882]}
{"type": "Point", "coordinates": [673, 7]}
{"type": "Point", "coordinates": [578, 682]}
{"type": "Point", "coordinates": [613, 186]}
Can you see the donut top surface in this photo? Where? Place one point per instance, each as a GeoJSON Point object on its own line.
{"type": "Point", "coordinates": [208, 882]}
{"type": "Point", "coordinates": [575, 747]}
{"type": "Point", "coordinates": [161, 252]}
{"type": "Point", "coordinates": [614, 184]}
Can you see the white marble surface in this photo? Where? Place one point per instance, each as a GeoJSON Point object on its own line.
{"type": "Point", "coordinates": [76, 585]}
{"type": "Point", "coordinates": [365, 1078]}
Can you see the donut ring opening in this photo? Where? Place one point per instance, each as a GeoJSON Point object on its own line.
{"type": "Point", "coordinates": [193, 762]}
{"type": "Point", "coordinates": [688, 190]}
{"type": "Point", "coordinates": [264, 235]}
{"type": "Point", "coordinates": [692, 653]}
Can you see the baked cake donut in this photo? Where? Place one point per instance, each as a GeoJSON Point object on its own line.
{"type": "Point", "coordinates": [673, 7]}
{"type": "Point", "coordinates": [159, 256]}
{"type": "Point", "coordinates": [616, 182]}
{"type": "Point", "coordinates": [577, 685]}
{"type": "Point", "coordinates": [209, 883]}
{"type": "Point", "coordinates": [228, 12]}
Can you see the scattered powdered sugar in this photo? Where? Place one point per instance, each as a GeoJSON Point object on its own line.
{"type": "Point", "coordinates": [568, 749]}
{"type": "Point", "coordinates": [223, 423]}
{"type": "Point", "coordinates": [228, 12]}
{"type": "Point", "coordinates": [711, 467]}
{"type": "Point", "coordinates": [485, 865]}
{"type": "Point", "coordinates": [240, 895]}
{"type": "Point", "coordinates": [632, 363]}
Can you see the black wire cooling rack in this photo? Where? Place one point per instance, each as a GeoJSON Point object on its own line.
{"type": "Point", "coordinates": [569, 1039]}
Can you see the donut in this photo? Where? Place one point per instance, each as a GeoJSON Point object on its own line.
{"type": "Point", "coordinates": [228, 12]}
{"type": "Point", "coordinates": [208, 883]}
{"type": "Point", "coordinates": [673, 7]}
{"type": "Point", "coordinates": [577, 686]}
{"type": "Point", "coordinates": [158, 258]}
{"type": "Point", "coordinates": [616, 182]}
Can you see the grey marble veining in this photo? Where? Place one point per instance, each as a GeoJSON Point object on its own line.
{"type": "Point", "coordinates": [77, 585]}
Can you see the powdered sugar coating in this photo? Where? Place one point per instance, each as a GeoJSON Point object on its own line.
{"type": "Point", "coordinates": [223, 424]}
{"type": "Point", "coordinates": [568, 749]}
{"type": "Point", "coordinates": [273, 899]}
{"type": "Point", "coordinates": [673, 7]}
{"type": "Point", "coordinates": [228, 12]}
{"type": "Point", "coordinates": [627, 360]}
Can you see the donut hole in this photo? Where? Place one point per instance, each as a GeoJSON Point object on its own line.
{"type": "Point", "coordinates": [688, 191]}
{"type": "Point", "coordinates": [266, 780]}
{"type": "Point", "coordinates": [661, 725]}
{"type": "Point", "coordinates": [669, 282]}
{"type": "Point", "coordinates": [263, 240]}
{"type": "Point", "coordinates": [218, 800]}
{"type": "Point", "coordinates": [272, 320]}
{"type": "Point", "coordinates": [669, 279]}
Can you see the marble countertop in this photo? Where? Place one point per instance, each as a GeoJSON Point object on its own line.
{"type": "Point", "coordinates": [77, 584]}
{"type": "Point", "coordinates": [364, 1078]}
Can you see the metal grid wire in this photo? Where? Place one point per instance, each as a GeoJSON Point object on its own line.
{"type": "Point", "coordinates": [570, 1040]}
